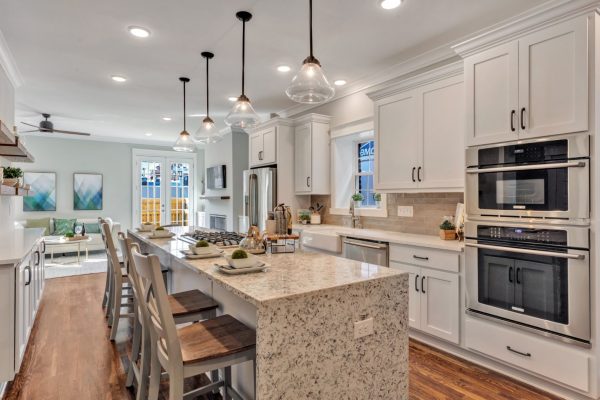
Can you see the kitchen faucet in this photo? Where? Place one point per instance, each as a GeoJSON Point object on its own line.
{"type": "Point", "coordinates": [355, 218]}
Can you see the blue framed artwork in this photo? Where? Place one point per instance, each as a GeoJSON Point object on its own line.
{"type": "Point", "coordinates": [43, 186]}
{"type": "Point", "coordinates": [87, 191]}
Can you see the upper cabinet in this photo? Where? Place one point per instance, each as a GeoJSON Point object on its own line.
{"type": "Point", "coordinates": [536, 85]}
{"type": "Point", "coordinates": [419, 133]}
{"type": "Point", "coordinates": [312, 155]}
{"type": "Point", "coordinates": [269, 142]}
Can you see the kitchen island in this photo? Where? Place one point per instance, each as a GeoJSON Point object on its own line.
{"type": "Point", "coordinates": [304, 309]}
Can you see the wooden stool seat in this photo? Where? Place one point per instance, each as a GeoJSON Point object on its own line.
{"type": "Point", "coordinates": [190, 302]}
{"type": "Point", "coordinates": [214, 338]}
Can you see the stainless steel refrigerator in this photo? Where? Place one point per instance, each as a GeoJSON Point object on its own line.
{"type": "Point", "coordinates": [260, 197]}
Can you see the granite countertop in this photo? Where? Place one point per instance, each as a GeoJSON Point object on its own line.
{"type": "Point", "coordinates": [15, 243]}
{"type": "Point", "coordinates": [287, 275]}
{"type": "Point", "coordinates": [410, 239]}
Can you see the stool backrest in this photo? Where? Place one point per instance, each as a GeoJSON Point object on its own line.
{"type": "Point", "coordinates": [155, 299]}
{"type": "Point", "coordinates": [124, 244]}
{"type": "Point", "coordinates": [113, 258]}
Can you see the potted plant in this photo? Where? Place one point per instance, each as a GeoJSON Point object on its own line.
{"type": "Point", "coordinates": [70, 235]}
{"type": "Point", "coordinates": [447, 230]}
{"type": "Point", "coordinates": [12, 176]}
{"type": "Point", "coordinates": [357, 198]}
{"type": "Point", "coordinates": [304, 218]}
{"type": "Point", "coordinates": [377, 198]}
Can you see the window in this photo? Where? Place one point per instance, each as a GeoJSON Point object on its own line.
{"type": "Point", "coordinates": [363, 174]}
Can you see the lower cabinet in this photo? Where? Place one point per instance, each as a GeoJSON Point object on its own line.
{"type": "Point", "coordinates": [433, 305]}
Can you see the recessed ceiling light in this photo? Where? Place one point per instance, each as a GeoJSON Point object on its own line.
{"type": "Point", "coordinates": [197, 115]}
{"type": "Point", "coordinates": [232, 99]}
{"type": "Point", "coordinates": [148, 134]}
{"type": "Point", "coordinates": [118, 78]}
{"type": "Point", "coordinates": [389, 4]}
{"type": "Point", "coordinates": [283, 68]}
{"type": "Point", "coordinates": [339, 82]}
{"type": "Point", "coordinates": [167, 118]}
{"type": "Point", "coordinates": [138, 31]}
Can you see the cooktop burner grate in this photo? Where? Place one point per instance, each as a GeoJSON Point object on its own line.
{"type": "Point", "coordinates": [216, 238]}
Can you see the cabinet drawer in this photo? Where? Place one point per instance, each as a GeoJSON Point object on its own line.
{"type": "Point", "coordinates": [541, 356]}
{"type": "Point", "coordinates": [424, 257]}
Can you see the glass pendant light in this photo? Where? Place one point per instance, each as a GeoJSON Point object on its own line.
{"type": "Point", "coordinates": [310, 86]}
{"type": "Point", "coordinates": [184, 141]}
{"type": "Point", "coordinates": [207, 133]}
{"type": "Point", "coordinates": [242, 115]}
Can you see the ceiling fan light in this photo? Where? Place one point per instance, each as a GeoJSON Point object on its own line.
{"type": "Point", "coordinates": [184, 142]}
{"type": "Point", "coordinates": [310, 85]}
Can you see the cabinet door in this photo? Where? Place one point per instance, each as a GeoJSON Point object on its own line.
{"type": "Point", "coordinates": [396, 142]}
{"type": "Point", "coordinates": [491, 87]}
{"type": "Point", "coordinates": [22, 295]}
{"type": "Point", "coordinates": [256, 148]}
{"type": "Point", "coordinates": [553, 80]}
{"type": "Point", "coordinates": [303, 158]}
{"type": "Point", "coordinates": [269, 155]}
{"type": "Point", "coordinates": [443, 151]}
{"type": "Point", "coordinates": [414, 294]}
{"type": "Point", "coordinates": [440, 304]}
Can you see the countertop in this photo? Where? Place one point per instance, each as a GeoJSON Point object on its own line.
{"type": "Point", "coordinates": [409, 239]}
{"type": "Point", "coordinates": [287, 275]}
{"type": "Point", "coordinates": [16, 243]}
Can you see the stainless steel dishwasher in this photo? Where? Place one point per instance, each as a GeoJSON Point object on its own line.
{"type": "Point", "coordinates": [368, 251]}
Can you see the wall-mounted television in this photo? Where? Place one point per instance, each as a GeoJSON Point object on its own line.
{"type": "Point", "coordinates": [216, 177]}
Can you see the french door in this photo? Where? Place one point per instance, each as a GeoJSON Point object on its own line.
{"type": "Point", "coordinates": [163, 188]}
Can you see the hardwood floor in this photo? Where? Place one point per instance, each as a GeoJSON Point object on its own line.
{"type": "Point", "coordinates": [70, 357]}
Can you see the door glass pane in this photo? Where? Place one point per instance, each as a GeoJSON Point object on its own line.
{"type": "Point", "coordinates": [150, 176]}
{"type": "Point", "coordinates": [496, 280]}
{"type": "Point", "coordinates": [180, 193]}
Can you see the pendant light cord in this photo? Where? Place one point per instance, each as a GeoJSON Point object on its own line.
{"type": "Point", "coordinates": [243, 55]}
{"type": "Point", "coordinates": [184, 127]}
{"type": "Point", "coordinates": [310, 25]}
{"type": "Point", "coordinates": [207, 99]}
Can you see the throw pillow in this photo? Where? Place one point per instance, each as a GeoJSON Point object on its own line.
{"type": "Point", "coordinates": [92, 227]}
{"type": "Point", "coordinates": [63, 226]}
{"type": "Point", "coordinates": [39, 223]}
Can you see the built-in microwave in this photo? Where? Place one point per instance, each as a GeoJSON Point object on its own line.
{"type": "Point", "coordinates": [539, 178]}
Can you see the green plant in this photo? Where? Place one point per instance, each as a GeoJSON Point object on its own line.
{"type": "Point", "coordinates": [239, 255]}
{"type": "Point", "coordinates": [201, 243]}
{"type": "Point", "coordinates": [69, 235]}
{"type": "Point", "coordinates": [160, 228]}
{"type": "Point", "coordinates": [357, 197]}
{"type": "Point", "coordinates": [377, 196]}
{"type": "Point", "coordinates": [12, 173]}
{"type": "Point", "coordinates": [447, 226]}
{"type": "Point", "coordinates": [304, 217]}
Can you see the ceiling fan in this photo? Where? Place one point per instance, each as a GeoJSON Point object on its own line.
{"type": "Point", "coordinates": [48, 126]}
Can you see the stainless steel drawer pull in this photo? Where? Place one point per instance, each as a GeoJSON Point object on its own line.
{"type": "Point", "coordinates": [369, 246]}
{"type": "Point", "coordinates": [572, 164]}
{"type": "Point", "coordinates": [527, 251]}
{"type": "Point", "coordinates": [420, 258]}
{"type": "Point", "coordinates": [518, 352]}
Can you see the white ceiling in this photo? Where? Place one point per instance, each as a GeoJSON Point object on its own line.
{"type": "Point", "coordinates": [67, 50]}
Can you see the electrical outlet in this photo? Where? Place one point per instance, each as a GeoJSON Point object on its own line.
{"type": "Point", "coordinates": [363, 328]}
{"type": "Point", "coordinates": [405, 211]}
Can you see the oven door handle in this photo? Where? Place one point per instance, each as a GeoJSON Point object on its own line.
{"type": "Point", "coordinates": [527, 251]}
{"type": "Point", "coordinates": [571, 164]}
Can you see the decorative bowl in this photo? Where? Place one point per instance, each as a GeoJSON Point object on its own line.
{"type": "Point", "coordinates": [249, 262]}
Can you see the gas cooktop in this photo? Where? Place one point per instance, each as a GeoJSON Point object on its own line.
{"type": "Point", "coordinates": [215, 237]}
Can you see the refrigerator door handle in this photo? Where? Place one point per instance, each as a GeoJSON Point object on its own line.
{"type": "Point", "coordinates": [252, 199]}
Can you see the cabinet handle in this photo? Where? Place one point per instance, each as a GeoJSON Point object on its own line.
{"type": "Point", "coordinates": [37, 258]}
{"type": "Point", "coordinates": [512, 120]}
{"type": "Point", "coordinates": [523, 118]}
{"type": "Point", "coordinates": [423, 284]}
{"type": "Point", "coordinates": [413, 174]}
{"type": "Point", "coordinates": [260, 157]}
{"type": "Point", "coordinates": [417, 283]}
{"type": "Point", "coordinates": [518, 276]}
{"type": "Point", "coordinates": [308, 181]}
{"type": "Point", "coordinates": [28, 268]}
{"type": "Point", "coordinates": [416, 257]}
{"type": "Point", "coordinates": [419, 174]}
{"type": "Point", "coordinates": [44, 248]}
{"type": "Point", "coordinates": [518, 352]}
{"type": "Point", "coordinates": [510, 274]}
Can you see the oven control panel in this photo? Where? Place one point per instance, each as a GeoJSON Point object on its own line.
{"type": "Point", "coordinates": [520, 234]}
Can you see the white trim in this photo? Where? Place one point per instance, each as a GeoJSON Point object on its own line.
{"type": "Point", "coordinates": [162, 153]}
{"type": "Point", "coordinates": [352, 128]}
{"type": "Point", "coordinates": [109, 139]}
{"type": "Point", "coordinates": [8, 63]}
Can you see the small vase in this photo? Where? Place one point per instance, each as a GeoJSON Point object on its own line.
{"type": "Point", "coordinates": [357, 204]}
{"type": "Point", "coordinates": [378, 204]}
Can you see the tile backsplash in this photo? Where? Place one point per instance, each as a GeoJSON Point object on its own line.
{"type": "Point", "coordinates": [428, 211]}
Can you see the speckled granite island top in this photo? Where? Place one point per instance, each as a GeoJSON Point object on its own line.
{"type": "Point", "coordinates": [287, 274]}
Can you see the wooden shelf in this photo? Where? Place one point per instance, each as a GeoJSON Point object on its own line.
{"type": "Point", "coordinates": [215, 197]}
{"type": "Point", "coordinates": [16, 152]}
{"type": "Point", "coordinates": [6, 135]}
{"type": "Point", "coordinates": [13, 191]}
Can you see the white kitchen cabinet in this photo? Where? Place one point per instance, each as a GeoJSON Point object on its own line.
{"type": "Point", "coordinates": [414, 294]}
{"type": "Point", "coordinates": [23, 310]}
{"type": "Point", "coordinates": [419, 135]}
{"type": "Point", "coordinates": [312, 155]}
{"type": "Point", "coordinates": [536, 85]}
{"type": "Point", "coordinates": [263, 147]}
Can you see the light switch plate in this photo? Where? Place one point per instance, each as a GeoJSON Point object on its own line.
{"type": "Point", "coordinates": [363, 328]}
{"type": "Point", "coordinates": [405, 211]}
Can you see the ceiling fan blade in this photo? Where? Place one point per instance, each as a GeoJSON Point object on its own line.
{"type": "Point", "coordinates": [33, 130]}
{"type": "Point", "coordinates": [72, 132]}
{"type": "Point", "coordinates": [25, 123]}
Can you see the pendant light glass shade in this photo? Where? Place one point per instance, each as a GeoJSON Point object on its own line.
{"type": "Point", "coordinates": [242, 115]}
{"type": "Point", "coordinates": [207, 133]}
{"type": "Point", "coordinates": [310, 86]}
{"type": "Point", "coordinates": [184, 142]}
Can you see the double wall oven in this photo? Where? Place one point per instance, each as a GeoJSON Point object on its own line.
{"type": "Point", "coordinates": [527, 237]}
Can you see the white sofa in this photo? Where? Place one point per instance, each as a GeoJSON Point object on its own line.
{"type": "Point", "coordinates": [96, 238]}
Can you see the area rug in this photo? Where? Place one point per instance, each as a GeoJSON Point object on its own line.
{"type": "Point", "coordinates": [68, 266]}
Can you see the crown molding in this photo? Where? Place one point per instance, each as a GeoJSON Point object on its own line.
{"type": "Point", "coordinates": [7, 62]}
{"type": "Point", "coordinates": [277, 121]}
{"type": "Point", "coordinates": [534, 19]}
{"type": "Point", "coordinates": [312, 117]}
